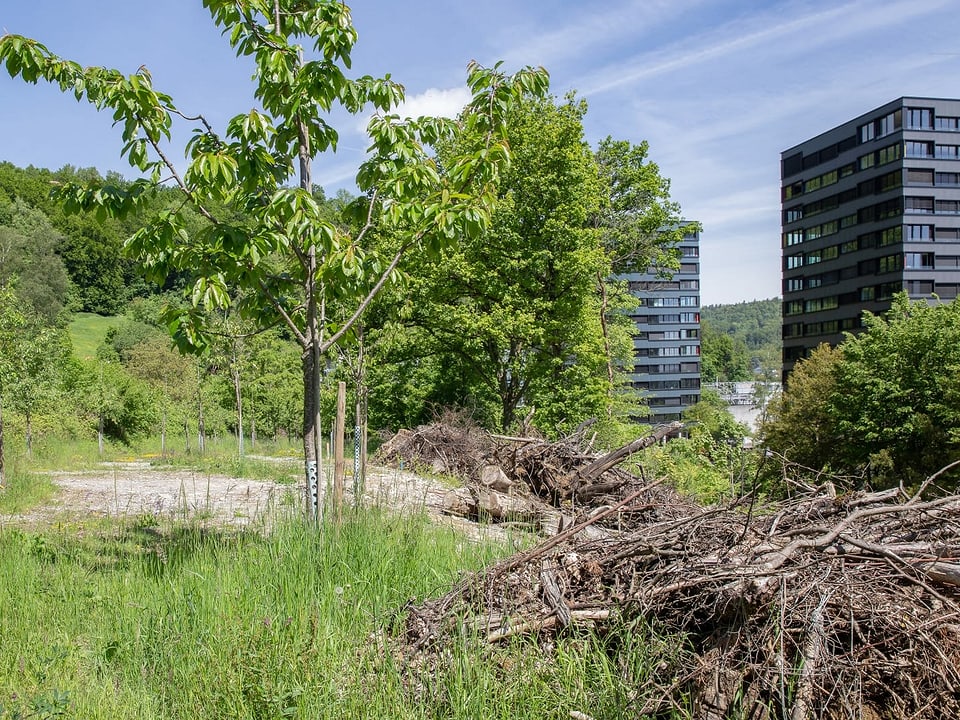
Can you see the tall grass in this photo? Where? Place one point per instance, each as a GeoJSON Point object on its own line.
{"type": "Point", "coordinates": [138, 620]}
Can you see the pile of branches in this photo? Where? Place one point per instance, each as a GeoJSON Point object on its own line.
{"type": "Point", "coordinates": [822, 606]}
{"type": "Point", "coordinates": [511, 478]}
{"type": "Point", "coordinates": [451, 445]}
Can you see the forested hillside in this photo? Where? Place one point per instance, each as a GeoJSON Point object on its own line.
{"type": "Point", "coordinates": [741, 341]}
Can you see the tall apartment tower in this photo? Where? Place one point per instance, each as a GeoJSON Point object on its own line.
{"type": "Point", "coordinates": [666, 340]}
{"type": "Point", "coordinates": [870, 208]}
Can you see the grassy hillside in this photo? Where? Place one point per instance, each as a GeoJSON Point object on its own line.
{"type": "Point", "coordinates": [87, 332]}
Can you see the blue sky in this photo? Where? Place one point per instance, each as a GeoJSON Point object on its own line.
{"type": "Point", "coordinates": [717, 87]}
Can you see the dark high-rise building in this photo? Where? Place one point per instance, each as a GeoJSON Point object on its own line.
{"type": "Point", "coordinates": [869, 208]}
{"type": "Point", "coordinates": [666, 340]}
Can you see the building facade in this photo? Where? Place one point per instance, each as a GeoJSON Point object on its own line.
{"type": "Point", "coordinates": [869, 209]}
{"type": "Point", "coordinates": [666, 340]}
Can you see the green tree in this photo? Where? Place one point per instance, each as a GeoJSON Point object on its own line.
{"type": "Point", "coordinates": [273, 241]}
{"type": "Point", "coordinates": [172, 377]}
{"type": "Point", "coordinates": [640, 227]}
{"type": "Point", "coordinates": [513, 312]}
{"type": "Point", "coordinates": [800, 424]}
{"type": "Point", "coordinates": [897, 393]}
{"type": "Point", "coordinates": [724, 358]}
{"type": "Point", "coordinates": [29, 261]}
{"type": "Point", "coordinates": [32, 356]}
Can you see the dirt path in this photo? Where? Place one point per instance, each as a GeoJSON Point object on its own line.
{"type": "Point", "coordinates": [130, 489]}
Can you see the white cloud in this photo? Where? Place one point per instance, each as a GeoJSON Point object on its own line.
{"type": "Point", "coordinates": [435, 102]}
{"type": "Point", "coordinates": [432, 102]}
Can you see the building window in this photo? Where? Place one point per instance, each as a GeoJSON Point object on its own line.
{"type": "Point", "coordinates": [918, 149]}
{"type": "Point", "coordinates": [890, 263]}
{"type": "Point", "coordinates": [919, 177]}
{"type": "Point", "coordinates": [891, 236]}
{"type": "Point", "coordinates": [888, 154]}
{"type": "Point", "coordinates": [867, 293]}
{"type": "Point", "coordinates": [919, 232]}
{"type": "Point", "coordinates": [948, 152]}
{"type": "Point", "coordinates": [689, 252]}
{"type": "Point", "coordinates": [793, 214]}
{"type": "Point", "coordinates": [914, 261]}
{"type": "Point", "coordinates": [920, 205]}
{"type": "Point", "coordinates": [689, 268]}
{"type": "Point", "coordinates": [946, 178]}
{"type": "Point", "coordinates": [948, 207]}
{"type": "Point", "coordinates": [951, 124]}
{"type": "Point", "coordinates": [920, 287]}
{"type": "Point", "coordinates": [920, 118]}
{"type": "Point", "coordinates": [793, 284]}
{"type": "Point", "coordinates": [689, 318]}
{"type": "Point", "coordinates": [689, 301]}
{"type": "Point", "coordinates": [848, 220]}
{"type": "Point", "coordinates": [947, 291]}
{"type": "Point", "coordinates": [867, 161]}
{"type": "Point", "coordinates": [793, 307]}
{"type": "Point", "coordinates": [794, 261]}
{"type": "Point", "coordinates": [888, 290]}
{"type": "Point", "coordinates": [793, 237]}
{"type": "Point", "coordinates": [948, 261]}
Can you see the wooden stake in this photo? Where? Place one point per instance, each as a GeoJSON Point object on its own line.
{"type": "Point", "coordinates": [338, 451]}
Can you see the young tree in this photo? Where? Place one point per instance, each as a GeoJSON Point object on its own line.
{"type": "Point", "coordinates": [32, 354]}
{"type": "Point", "coordinates": [800, 425]}
{"type": "Point", "coordinates": [269, 239]}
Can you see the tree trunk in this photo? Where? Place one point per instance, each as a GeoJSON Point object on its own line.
{"type": "Point", "coordinates": [163, 432]}
{"type": "Point", "coordinates": [338, 468]}
{"type": "Point", "coordinates": [29, 437]}
{"type": "Point", "coordinates": [235, 374]}
{"type": "Point", "coordinates": [312, 449]}
{"type": "Point", "coordinates": [100, 434]}
{"type": "Point", "coordinates": [605, 329]}
{"type": "Point", "coordinates": [200, 429]}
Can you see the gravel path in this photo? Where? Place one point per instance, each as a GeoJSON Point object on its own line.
{"type": "Point", "coordinates": [139, 488]}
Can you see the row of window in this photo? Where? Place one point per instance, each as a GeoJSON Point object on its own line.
{"type": "Point", "coordinates": [675, 351]}
{"type": "Point", "coordinates": [657, 335]}
{"type": "Point", "coordinates": [881, 127]}
{"type": "Point", "coordinates": [684, 368]}
{"type": "Point", "coordinates": [683, 400]}
{"type": "Point", "coordinates": [917, 119]}
{"type": "Point", "coordinates": [659, 285]}
{"type": "Point", "coordinates": [931, 206]}
{"type": "Point", "coordinates": [931, 149]}
{"type": "Point", "coordinates": [681, 301]}
{"type": "Point", "coordinates": [692, 383]}
{"type": "Point", "coordinates": [884, 291]}
{"type": "Point", "coordinates": [880, 292]}
{"type": "Point", "coordinates": [929, 177]}
{"type": "Point", "coordinates": [873, 186]}
{"type": "Point", "coordinates": [885, 264]}
{"type": "Point", "coordinates": [667, 319]}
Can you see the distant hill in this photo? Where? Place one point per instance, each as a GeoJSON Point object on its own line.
{"type": "Point", "coordinates": [755, 325]}
{"type": "Point", "coordinates": [758, 322]}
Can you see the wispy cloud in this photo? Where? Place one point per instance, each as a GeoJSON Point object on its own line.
{"type": "Point", "coordinates": [776, 30]}
{"type": "Point", "coordinates": [588, 26]}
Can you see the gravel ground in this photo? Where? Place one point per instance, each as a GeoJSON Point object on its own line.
{"type": "Point", "coordinates": [139, 488]}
